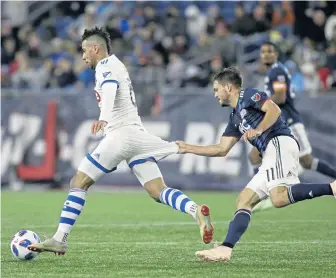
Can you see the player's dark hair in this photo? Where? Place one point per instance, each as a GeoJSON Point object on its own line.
{"type": "Point", "coordinates": [99, 32]}
{"type": "Point", "coordinates": [229, 75]}
{"type": "Point", "coordinates": [275, 47]}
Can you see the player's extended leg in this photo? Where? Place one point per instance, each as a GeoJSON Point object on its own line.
{"type": "Point", "coordinates": [283, 195]}
{"type": "Point", "coordinates": [101, 161]}
{"type": "Point", "coordinates": [311, 163]}
{"type": "Point", "coordinates": [72, 208]}
{"type": "Point", "coordinates": [150, 177]}
{"type": "Point", "coordinates": [306, 159]}
{"type": "Point", "coordinates": [238, 225]}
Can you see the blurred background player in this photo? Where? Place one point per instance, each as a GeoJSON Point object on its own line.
{"type": "Point", "coordinates": [277, 85]}
{"type": "Point", "coordinates": [125, 138]}
{"type": "Point", "coordinates": [257, 119]}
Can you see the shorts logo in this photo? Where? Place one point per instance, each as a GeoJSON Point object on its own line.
{"type": "Point", "coordinates": [96, 155]}
{"type": "Point", "coordinates": [106, 74]}
{"type": "Point", "coordinates": [256, 97]}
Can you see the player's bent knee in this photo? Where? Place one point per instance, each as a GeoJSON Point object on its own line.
{"type": "Point", "coordinates": [81, 180]}
{"type": "Point", "coordinates": [154, 188]}
{"type": "Point", "coordinates": [279, 196]}
{"type": "Point", "coordinates": [306, 161]}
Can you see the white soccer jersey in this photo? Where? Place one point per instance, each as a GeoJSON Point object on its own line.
{"type": "Point", "coordinates": [124, 111]}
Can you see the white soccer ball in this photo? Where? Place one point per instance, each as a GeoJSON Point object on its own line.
{"type": "Point", "coordinates": [20, 242]}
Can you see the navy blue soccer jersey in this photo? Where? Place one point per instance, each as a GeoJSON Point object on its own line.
{"type": "Point", "coordinates": [248, 114]}
{"type": "Point", "coordinates": [278, 73]}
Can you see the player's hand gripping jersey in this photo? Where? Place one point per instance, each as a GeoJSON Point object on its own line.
{"type": "Point", "coordinates": [118, 108]}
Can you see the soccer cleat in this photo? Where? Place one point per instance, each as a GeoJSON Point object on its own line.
{"type": "Point", "coordinates": [263, 205]}
{"type": "Point", "coordinates": [204, 221]}
{"type": "Point", "coordinates": [49, 245]}
{"type": "Point", "coordinates": [216, 254]}
{"type": "Point", "coordinates": [333, 188]}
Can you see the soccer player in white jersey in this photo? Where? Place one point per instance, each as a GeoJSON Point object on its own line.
{"type": "Point", "coordinates": [125, 139]}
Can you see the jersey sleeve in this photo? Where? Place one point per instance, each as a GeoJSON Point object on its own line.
{"type": "Point", "coordinates": [104, 74]}
{"type": "Point", "coordinates": [277, 78]}
{"type": "Point", "coordinates": [231, 130]}
{"type": "Point", "coordinates": [255, 99]}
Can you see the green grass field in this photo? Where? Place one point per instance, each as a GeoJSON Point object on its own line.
{"type": "Point", "coordinates": [129, 235]}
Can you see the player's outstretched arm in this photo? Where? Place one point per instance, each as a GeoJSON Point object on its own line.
{"type": "Point", "coordinates": [221, 149]}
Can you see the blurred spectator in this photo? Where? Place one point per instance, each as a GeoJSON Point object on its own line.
{"type": "Point", "coordinates": [316, 30]}
{"type": "Point", "coordinates": [203, 44]}
{"type": "Point", "coordinates": [8, 51]}
{"type": "Point", "coordinates": [174, 23]}
{"type": "Point", "coordinates": [196, 21]}
{"type": "Point", "coordinates": [213, 16]}
{"type": "Point", "coordinates": [175, 70]}
{"type": "Point", "coordinates": [329, 26]}
{"type": "Point", "coordinates": [297, 77]}
{"type": "Point", "coordinates": [268, 10]}
{"type": "Point", "coordinates": [245, 24]}
{"type": "Point", "coordinates": [63, 75]}
{"type": "Point", "coordinates": [283, 15]}
{"type": "Point", "coordinates": [331, 52]}
{"type": "Point", "coordinates": [150, 15]}
{"type": "Point", "coordinates": [311, 79]}
{"type": "Point", "coordinates": [180, 44]}
{"type": "Point", "coordinates": [223, 44]}
{"type": "Point", "coordinates": [26, 77]}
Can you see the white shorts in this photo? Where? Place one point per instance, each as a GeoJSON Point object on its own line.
{"type": "Point", "coordinates": [299, 132]}
{"type": "Point", "coordinates": [280, 165]}
{"type": "Point", "coordinates": [132, 143]}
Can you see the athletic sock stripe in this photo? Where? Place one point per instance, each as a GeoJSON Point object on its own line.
{"type": "Point", "coordinates": [282, 174]}
{"type": "Point", "coordinates": [166, 195]}
{"type": "Point", "coordinates": [65, 220]}
{"type": "Point", "coordinates": [170, 198]}
{"type": "Point", "coordinates": [77, 190]}
{"type": "Point", "coordinates": [70, 209]}
{"type": "Point", "coordinates": [176, 194]}
{"type": "Point", "coordinates": [76, 199]}
{"type": "Point", "coordinates": [290, 195]}
{"type": "Point", "coordinates": [243, 211]}
{"type": "Point", "coordinates": [183, 204]}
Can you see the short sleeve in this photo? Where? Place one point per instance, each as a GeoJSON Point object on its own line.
{"type": "Point", "coordinates": [277, 76]}
{"type": "Point", "coordinates": [104, 74]}
{"type": "Point", "coordinates": [255, 99]}
{"type": "Point", "coordinates": [231, 130]}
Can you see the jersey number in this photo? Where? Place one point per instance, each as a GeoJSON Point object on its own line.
{"type": "Point", "coordinates": [132, 95]}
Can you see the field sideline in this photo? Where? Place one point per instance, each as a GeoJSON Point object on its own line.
{"type": "Point", "coordinates": [129, 235]}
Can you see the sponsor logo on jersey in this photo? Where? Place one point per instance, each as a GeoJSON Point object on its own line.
{"type": "Point", "coordinates": [107, 74]}
{"type": "Point", "coordinates": [256, 97]}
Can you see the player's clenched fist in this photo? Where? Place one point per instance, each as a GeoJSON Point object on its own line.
{"type": "Point", "coordinates": [251, 134]}
{"type": "Point", "coordinates": [97, 126]}
{"type": "Point", "coordinates": [182, 146]}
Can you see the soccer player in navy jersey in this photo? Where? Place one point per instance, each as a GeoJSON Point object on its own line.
{"type": "Point", "coordinates": [277, 85]}
{"type": "Point", "coordinates": [257, 119]}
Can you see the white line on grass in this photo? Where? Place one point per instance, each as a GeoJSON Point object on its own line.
{"type": "Point", "coordinates": [163, 224]}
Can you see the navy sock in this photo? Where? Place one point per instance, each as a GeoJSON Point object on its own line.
{"type": "Point", "coordinates": [304, 191]}
{"type": "Point", "coordinates": [325, 169]}
{"type": "Point", "coordinates": [237, 227]}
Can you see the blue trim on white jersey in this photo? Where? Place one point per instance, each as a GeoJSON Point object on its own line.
{"type": "Point", "coordinates": [110, 81]}
{"type": "Point", "coordinates": [99, 166]}
{"type": "Point", "coordinates": [140, 161]}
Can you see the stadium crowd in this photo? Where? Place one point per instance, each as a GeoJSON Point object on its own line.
{"type": "Point", "coordinates": [179, 43]}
